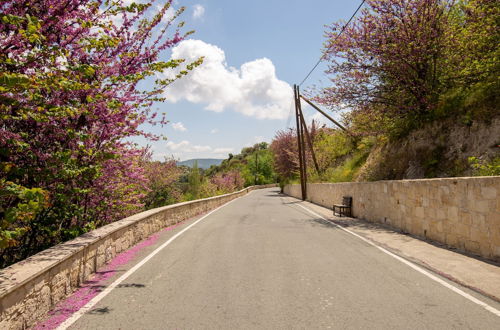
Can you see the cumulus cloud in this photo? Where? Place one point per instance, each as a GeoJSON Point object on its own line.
{"type": "Point", "coordinates": [176, 146]}
{"type": "Point", "coordinates": [179, 127]}
{"type": "Point", "coordinates": [198, 11]}
{"type": "Point", "coordinates": [215, 130]}
{"type": "Point", "coordinates": [253, 89]}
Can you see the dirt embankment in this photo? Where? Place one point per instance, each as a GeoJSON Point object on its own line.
{"type": "Point", "coordinates": [440, 149]}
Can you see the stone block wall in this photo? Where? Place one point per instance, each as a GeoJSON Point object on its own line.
{"type": "Point", "coordinates": [463, 213]}
{"type": "Point", "coordinates": [31, 288]}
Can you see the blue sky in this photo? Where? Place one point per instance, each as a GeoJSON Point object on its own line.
{"type": "Point", "coordinates": [254, 52]}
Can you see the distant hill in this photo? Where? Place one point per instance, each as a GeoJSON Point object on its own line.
{"type": "Point", "coordinates": [202, 162]}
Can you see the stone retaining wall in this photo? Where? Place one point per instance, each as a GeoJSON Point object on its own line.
{"type": "Point", "coordinates": [463, 213]}
{"type": "Point", "coordinates": [32, 287]}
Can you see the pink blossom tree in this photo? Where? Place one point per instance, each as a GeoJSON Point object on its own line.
{"type": "Point", "coordinates": [389, 60]}
{"type": "Point", "coordinates": [228, 182]}
{"type": "Point", "coordinates": [163, 183]}
{"type": "Point", "coordinates": [70, 97]}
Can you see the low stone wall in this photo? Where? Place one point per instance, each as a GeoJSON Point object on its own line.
{"type": "Point", "coordinates": [463, 213]}
{"type": "Point", "coordinates": [32, 287]}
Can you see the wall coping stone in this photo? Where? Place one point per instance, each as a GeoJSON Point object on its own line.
{"type": "Point", "coordinates": [465, 178]}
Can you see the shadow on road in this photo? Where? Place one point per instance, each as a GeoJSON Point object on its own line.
{"type": "Point", "coordinates": [131, 285]}
{"type": "Point", "coordinates": [275, 194]}
{"type": "Point", "coordinates": [100, 311]}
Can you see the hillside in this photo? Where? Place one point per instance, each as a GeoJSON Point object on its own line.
{"type": "Point", "coordinates": [203, 163]}
{"type": "Point", "coordinates": [441, 149]}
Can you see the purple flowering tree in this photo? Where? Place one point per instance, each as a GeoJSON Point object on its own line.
{"type": "Point", "coordinates": [228, 182]}
{"type": "Point", "coordinates": [388, 63]}
{"type": "Point", "coordinates": [70, 97]}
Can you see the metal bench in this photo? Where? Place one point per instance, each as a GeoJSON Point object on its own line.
{"type": "Point", "coordinates": [344, 208]}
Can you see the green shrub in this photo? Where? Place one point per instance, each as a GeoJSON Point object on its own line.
{"type": "Point", "coordinates": [485, 168]}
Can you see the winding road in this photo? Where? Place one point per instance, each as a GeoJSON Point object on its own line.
{"type": "Point", "coordinates": [264, 261]}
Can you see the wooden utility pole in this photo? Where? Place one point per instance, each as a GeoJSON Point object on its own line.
{"type": "Point", "coordinates": [300, 143]}
{"type": "Point", "coordinates": [256, 167]}
{"type": "Point", "coordinates": [308, 137]}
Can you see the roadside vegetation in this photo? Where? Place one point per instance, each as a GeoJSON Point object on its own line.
{"type": "Point", "coordinates": [413, 81]}
{"type": "Point", "coordinates": [69, 101]}
{"type": "Point", "coordinates": [171, 183]}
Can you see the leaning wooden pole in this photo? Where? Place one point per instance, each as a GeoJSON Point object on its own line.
{"type": "Point", "coordinates": [323, 113]}
{"type": "Point", "coordinates": [304, 159]}
{"type": "Point", "coordinates": [303, 144]}
{"type": "Point", "coordinates": [303, 185]}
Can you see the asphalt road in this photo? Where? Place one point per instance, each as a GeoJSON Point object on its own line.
{"type": "Point", "coordinates": [263, 262]}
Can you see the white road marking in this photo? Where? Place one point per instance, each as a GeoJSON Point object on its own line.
{"type": "Point", "coordinates": [415, 267]}
{"type": "Point", "coordinates": [66, 324]}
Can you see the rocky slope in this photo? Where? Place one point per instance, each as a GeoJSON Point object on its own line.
{"type": "Point", "coordinates": [440, 149]}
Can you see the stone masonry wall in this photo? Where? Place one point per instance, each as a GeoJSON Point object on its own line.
{"type": "Point", "coordinates": [463, 213]}
{"type": "Point", "coordinates": [32, 287]}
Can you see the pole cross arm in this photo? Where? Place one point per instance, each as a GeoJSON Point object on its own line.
{"type": "Point", "coordinates": [323, 113]}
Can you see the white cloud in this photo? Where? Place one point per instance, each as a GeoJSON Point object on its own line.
{"type": "Point", "coordinates": [177, 146]}
{"type": "Point", "coordinates": [253, 89]}
{"type": "Point", "coordinates": [169, 14]}
{"type": "Point", "coordinates": [179, 127]}
{"type": "Point", "coordinates": [198, 11]}
{"type": "Point", "coordinates": [215, 130]}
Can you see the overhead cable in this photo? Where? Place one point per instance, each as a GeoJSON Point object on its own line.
{"type": "Point", "coordinates": [333, 42]}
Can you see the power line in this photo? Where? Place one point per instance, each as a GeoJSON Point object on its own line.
{"type": "Point", "coordinates": [338, 35]}
{"type": "Point", "coordinates": [289, 115]}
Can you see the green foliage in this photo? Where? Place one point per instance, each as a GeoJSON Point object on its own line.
{"type": "Point", "coordinates": [258, 165]}
{"type": "Point", "coordinates": [347, 171]}
{"type": "Point", "coordinates": [394, 81]}
{"type": "Point", "coordinates": [70, 100]}
{"type": "Point", "coordinates": [346, 165]}
{"type": "Point", "coordinates": [163, 183]}
{"type": "Point", "coordinates": [485, 168]}
{"type": "Point", "coordinates": [22, 205]}
{"type": "Point", "coordinates": [255, 164]}
{"type": "Point", "coordinates": [330, 145]}
{"type": "Point", "coordinates": [194, 183]}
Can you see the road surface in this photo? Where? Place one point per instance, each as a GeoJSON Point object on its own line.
{"type": "Point", "coordinates": [263, 262]}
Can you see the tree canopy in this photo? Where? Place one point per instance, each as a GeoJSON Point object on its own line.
{"type": "Point", "coordinates": [70, 97]}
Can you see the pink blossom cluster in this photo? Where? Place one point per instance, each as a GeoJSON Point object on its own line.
{"type": "Point", "coordinates": [70, 100]}
{"type": "Point", "coordinates": [228, 182]}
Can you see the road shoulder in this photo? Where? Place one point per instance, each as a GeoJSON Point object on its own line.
{"type": "Point", "coordinates": [479, 275]}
